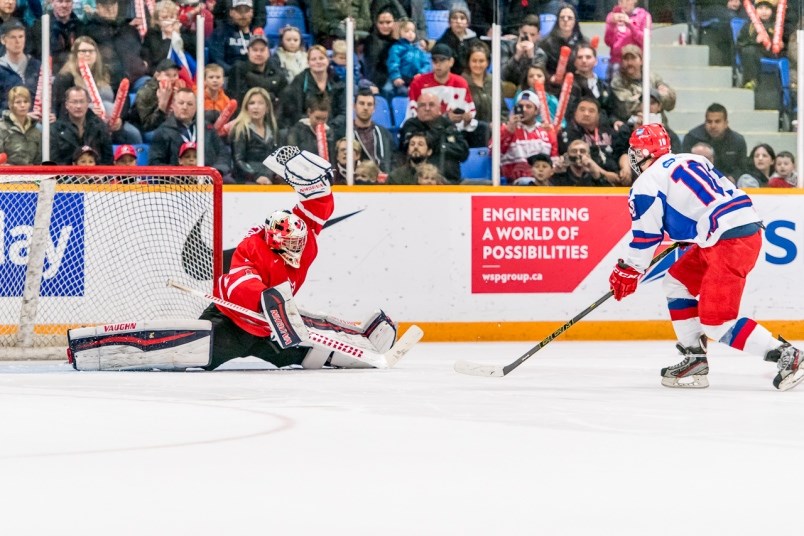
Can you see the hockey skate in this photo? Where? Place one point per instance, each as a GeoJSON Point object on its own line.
{"type": "Point", "coordinates": [692, 371]}
{"type": "Point", "coordinates": [788, 359]}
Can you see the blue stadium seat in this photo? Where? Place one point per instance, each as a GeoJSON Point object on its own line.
{"type": "Point", "coordinates": [437, 22]}
{"type": "Point", "coordinates": [737, 25]}
{"type": "Point", "coordinates": [546, 23]}
{"type": "Point", "coordinates": [382, 112]}
{"type": "Point", "coordinates": [143, 150]}
{"type": "Point", "coordinates": [399, 107]}
{"type": "Point", "coordinates": [478, 165]}
{"type": "Point", "coordinates": [509, 101]}
{"type": "Point", "coordinates": [277, 17]}
{"type": "Point", "coordinates": [602, 67]}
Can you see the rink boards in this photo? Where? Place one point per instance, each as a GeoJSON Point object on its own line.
{"type": "Point", "coordinates": [483, 263]}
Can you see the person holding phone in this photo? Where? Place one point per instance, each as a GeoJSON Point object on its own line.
{"type": "Point", "coordinates": [521, 138]}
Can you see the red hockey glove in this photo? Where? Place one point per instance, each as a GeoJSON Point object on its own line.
{"type": "Point", "coordinates": [623, 280]}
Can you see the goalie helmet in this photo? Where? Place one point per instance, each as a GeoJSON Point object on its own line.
{"type": "Point", "coordinates": [286, 234]}
{"type": "Point", "coordinates": [647, 141]}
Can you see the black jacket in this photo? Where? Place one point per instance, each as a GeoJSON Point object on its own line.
{"type": "Point", "coordinates": [292, 106]}
{"type": "Point", "coordinates": [448, 145]}
{"type": "Point", "coordinates": [248, 153]}
{"type": "Point", "coordinates": [168, 139]}
{"type": "Point", "coordinates": [64, 139]}
{"type": "Point", "coordinates": [10, 78]}
{"type": "Point", "coordinates": [62, 37]}
{"type": "Point", "coordinates": [730, 150]}
{"type": "Point", "coordinates": [245, 75]}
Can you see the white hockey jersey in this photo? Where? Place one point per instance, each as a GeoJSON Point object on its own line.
{"type": "Point", "coordinates": [684, 196]}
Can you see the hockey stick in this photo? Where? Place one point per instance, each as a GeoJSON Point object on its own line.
{"type": "Point", "coordinates": [476, 369]}
{"type": "Point", "coordinates": [385, 360]}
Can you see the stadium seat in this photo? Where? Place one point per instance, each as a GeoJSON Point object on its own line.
{"type": "Point", "coordinates": [478, 165]}
{"type": "Point", "coordinates": [399, 108]}
{"type": "Point", "coordinates": [602, 67]}
{"type": "Point", "coordinates": [382, 112]}
{"type": "Point", "coordinates": [546, 23]}
{"type": "Point", "coordinates": [437, 22]}
{"type": "Point", "coordinates": [143, 150]}
{"type": "Point", "coordinates": [277, 17]}
{"type": "Point", "coordinates": [736, 26]}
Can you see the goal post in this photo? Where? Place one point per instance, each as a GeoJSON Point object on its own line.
{"type": "Point", "coordinates": [83, 246]}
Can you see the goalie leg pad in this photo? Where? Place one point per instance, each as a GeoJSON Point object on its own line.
{"type": "Point", "coordinates": [162, 345]}
{"type": "Point", "coordinates": [287, 324]}
{"type": "Point", "coordinates": [339, 349]}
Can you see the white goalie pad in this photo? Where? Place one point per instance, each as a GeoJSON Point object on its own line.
{"type": "Point", "coordinates": [159, 344]}
{"type": "Point", "coordinates": [339, 343]}
{"type": "Point", "coordinates": [308, 174]}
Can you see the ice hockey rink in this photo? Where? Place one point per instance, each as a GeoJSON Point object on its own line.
{"type": "Point", "coordinates": [580, 440]}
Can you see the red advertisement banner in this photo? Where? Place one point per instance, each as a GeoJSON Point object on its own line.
{"type": "Point", "coordinates": [542, 243]}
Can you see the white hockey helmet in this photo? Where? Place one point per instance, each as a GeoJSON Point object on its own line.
{"type": "Point", "coordinates": [286, 234]}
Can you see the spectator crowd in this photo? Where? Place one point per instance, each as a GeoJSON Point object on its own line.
{"type": "Point", "coordinates": [264, 90]}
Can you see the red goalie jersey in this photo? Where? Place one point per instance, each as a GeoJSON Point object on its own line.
{"type": "Point", "coordinates": [255, 267]}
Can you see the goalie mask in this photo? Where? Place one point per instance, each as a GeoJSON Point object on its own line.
{"type": "Point", "coordinates": [286, 234]}
{"type": "Point", "coordinates": [648, 141]}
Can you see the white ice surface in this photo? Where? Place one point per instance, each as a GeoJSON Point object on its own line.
{"type": "Point", "coordinates": [580, 440]}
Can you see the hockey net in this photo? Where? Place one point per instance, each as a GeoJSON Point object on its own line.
{"type": "Point", "coordinates": [97, 245]}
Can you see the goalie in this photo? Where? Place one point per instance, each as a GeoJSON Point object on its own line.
{"type": "Point", "coordinates": [253, 311]}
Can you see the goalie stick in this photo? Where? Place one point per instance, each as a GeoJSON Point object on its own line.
{"type": "Point", "coordinates": [476, 369]}
{"type": "Point", "coordinates": [388, 359]}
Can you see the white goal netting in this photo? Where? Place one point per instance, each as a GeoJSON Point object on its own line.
{"type": "Point", "coordinates": [80, 249]}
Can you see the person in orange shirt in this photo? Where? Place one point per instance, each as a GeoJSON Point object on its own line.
{"type": "Point", "coordinates": [214, 97]}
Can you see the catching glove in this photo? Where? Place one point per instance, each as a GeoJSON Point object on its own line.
{"type": "Point", "coordinates": [308, 174]}
{"type": "Point", "coordinates": [623, 280]}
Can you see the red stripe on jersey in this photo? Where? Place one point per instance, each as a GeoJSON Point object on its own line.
{"type": "Point", "coordinates": [742, 336]}
{"type": "Point", "coordinates": [683, 314]}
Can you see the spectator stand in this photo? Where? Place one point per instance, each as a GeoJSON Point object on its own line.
{"type": "Point", "coordinates": [546, 23]}
{"type": "Point", "coordinates": [277, 17]}
{"type": "Point", "coordinates": [477, 168]}
{"type": "Point", "coordinates": [773, 91]}
{"type": "Point", "coordinates": [437, 22]}
{"type": "Point", "coordinates": [382, 113]}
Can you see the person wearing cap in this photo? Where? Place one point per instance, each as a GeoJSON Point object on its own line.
{"type": "Point", "coordinates": [451, 89]}
{"type": "Point", "coordinates": [259, 69]}
{"type": "Point", "coordinates": [64, 27]}
{"type": "Point", "coordinates": [180, 127]}
{"type": "Point", "coordinates": [153, 98]}
{"type": "Point", "coordinates": [327, 19]}
{"type": "Point", "coordinates": [626, 85]}
{"type": "Point", "coordinates": [16, 67]}
{"type": "Point", "coordinates": [521, 138]}
{"type": "Point", "coordinates": [85, 156]}
{"type": "Point", "coordinates": [751, 52]}
{"type": "Point", "coordinates": [20, 139]}
{"type": "Point", "coordinates": [78, 126]}
{"type": "Point", "coordinates": [188, 154]}
{"type": "Point", "coordinates": [259, 15]}
{"type": "Point", "coordinates": [231, 37]}
{"type": "Point", "coordinates": [458, 36]}
{"type": "Point", "coordinates": [125, 155]}
{"type": "Point", "coordinates": [118, 41]}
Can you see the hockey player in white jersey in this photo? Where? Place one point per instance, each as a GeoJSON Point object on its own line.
{"type": "Point", "coordinates": [684, 196]}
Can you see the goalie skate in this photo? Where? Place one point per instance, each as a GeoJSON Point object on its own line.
{"type": "Point", "coordinates": [691, 373]}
